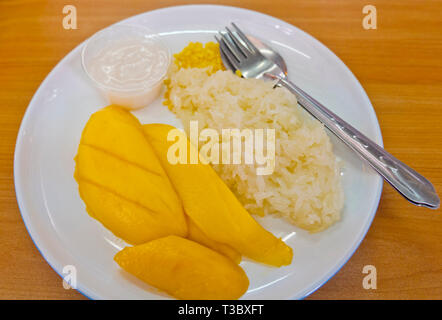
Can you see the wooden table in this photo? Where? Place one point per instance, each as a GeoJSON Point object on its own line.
{"type": "Point", "coordinates": [399, 64]}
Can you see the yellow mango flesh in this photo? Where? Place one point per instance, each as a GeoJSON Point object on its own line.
{"type": "Point", "coordinates": [122, 182]}
{"type": "Point", "coordinates": [195, 234]}
{"type": "Point", "coordinates": [184, 269]}
{"type": "Point", "coordinates": [214, 208]}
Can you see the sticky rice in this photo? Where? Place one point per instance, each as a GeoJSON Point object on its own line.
{"type": "Point", "coordinates": [305, 186]}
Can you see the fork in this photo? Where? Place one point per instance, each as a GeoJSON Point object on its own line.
{"type": "Point", "coordinates": [239, 53]}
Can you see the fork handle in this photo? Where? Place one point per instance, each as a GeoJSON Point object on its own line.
{"type": "Point", "coordinates": [413, 186]}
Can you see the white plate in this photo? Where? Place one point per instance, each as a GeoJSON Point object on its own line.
{"type": "Point", "coordinates": [55, 215]}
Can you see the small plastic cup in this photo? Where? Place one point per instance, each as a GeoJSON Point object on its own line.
{"type": "Point", "coordinates": [127, 63]}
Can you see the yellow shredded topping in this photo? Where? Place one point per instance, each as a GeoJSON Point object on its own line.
{"type": "Point", "coordinates": [195, 55]}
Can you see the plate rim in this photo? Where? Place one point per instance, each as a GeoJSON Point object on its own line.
{"type": "Point", "coordinates": [90, 294]}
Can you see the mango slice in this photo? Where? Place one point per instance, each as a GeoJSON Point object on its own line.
{"type": "Point", "coordinates": [122, 182]}
{"type": "Point", "coordinates": [195, 234]}
{"type": "Point", "coordinates": [184, 269]}
{"type": "Point", "coordinates": [214, 208]}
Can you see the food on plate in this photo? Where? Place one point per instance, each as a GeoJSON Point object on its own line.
{"type": "Point", "coordinates": [184, 269]}
{"type": "Point", "coordinates": [127, 63]}
{"type": "Point", "coordinates": [305, 186]}
{"type": "Point", "coordinates": [213, 208]}
{"type": "Point", "coordinates": [195, 55]}
{"type": "Point", "coordinates": [190, 222]}
{"type": "Point", "coordinates": [121, 181]}
{"type": "Point", "coordinates": [128, 184]}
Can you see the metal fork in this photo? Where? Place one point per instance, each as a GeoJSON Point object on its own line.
{"type": "Point", "coordinates": [238, 53]}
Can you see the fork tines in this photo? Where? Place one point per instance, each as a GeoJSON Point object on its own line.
{"type": "Point", "coordinates": [235, 46]}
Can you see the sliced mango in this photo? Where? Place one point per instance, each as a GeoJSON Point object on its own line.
{"type": "Point", "coordinates": [213, 207]}
{"type": "Point", "coordinates": [195, 234]}
{"type": "Point", "coordinates": [184, 269]}
{"type": "Point", "coordinates": [121, 181]}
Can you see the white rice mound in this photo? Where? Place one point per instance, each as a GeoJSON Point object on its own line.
{"type": "Point", "coordinates": [305, 186]}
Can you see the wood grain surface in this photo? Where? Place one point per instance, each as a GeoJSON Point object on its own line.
{"type": "Point", "coordinates": [399, 64]}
